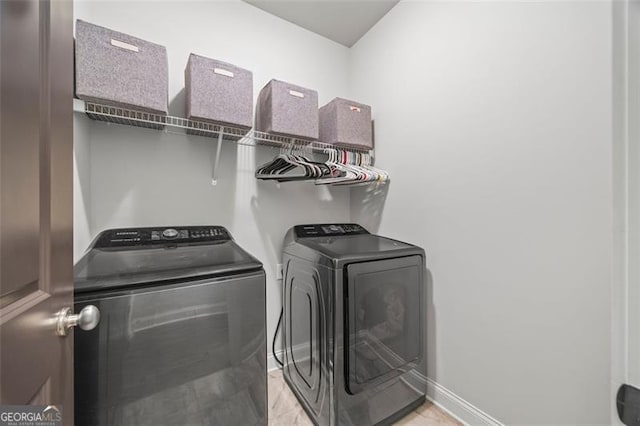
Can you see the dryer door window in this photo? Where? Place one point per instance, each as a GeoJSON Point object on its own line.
{"type": "Point", "coordinates": [384, 307]}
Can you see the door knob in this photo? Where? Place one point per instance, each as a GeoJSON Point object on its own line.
{"type": "Point", "coordinates": [87, 319]}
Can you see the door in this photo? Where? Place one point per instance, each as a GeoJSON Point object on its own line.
{"type": "Point", "coordinates": [626, 289]}
{"type": "Point", "coordinates": [384, 311]}
{"type": "Point", "coordinates": [36, 142]}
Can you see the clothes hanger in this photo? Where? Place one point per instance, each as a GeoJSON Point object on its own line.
{"type": "Point", "coordinates": [338, 161]}
{"type": "Point", "coordinates": [282, 164]}
{"type": "Point", "coordinates": [292, 166]}
{"type": "Point", "coordinates": [359, 163]}
{"type": "Point", "coordinates": [355, 174]}
{"type": "Point", "coordinates": [383, 176]}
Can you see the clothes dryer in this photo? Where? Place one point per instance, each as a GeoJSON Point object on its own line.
{"type": "Point", "coordinates": [353, 324]}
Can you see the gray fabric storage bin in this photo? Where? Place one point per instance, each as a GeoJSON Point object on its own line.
{"type": "Point", "coordinates": [287, 109]}
{"type": "Point", "coordinates": [345, 122]}
{"type": "Point", "coordinates": [117, 69]}
{"type": "Point", "coordinates": [218, 92]}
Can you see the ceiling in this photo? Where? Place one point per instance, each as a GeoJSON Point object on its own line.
{"type": "Point", "coordinates": [343, 21]}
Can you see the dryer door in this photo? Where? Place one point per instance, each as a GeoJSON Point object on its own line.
{"type": "Point", "coordinates": [384, 309]}
{"type": "Point", "coordinates": [305, 332]}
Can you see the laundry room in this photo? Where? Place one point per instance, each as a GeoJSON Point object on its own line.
{"type": "Point", "coordinates": [309, 212]}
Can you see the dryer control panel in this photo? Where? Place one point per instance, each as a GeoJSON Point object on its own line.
{"type": "Point", "coordinates": [169, 235]}
{"type": "Point", "coordinates": [329, 230]}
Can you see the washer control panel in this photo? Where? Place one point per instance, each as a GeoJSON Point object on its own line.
{"type": "Point", "coordinates": [167, 236]}
{"type": "Point", "coordinates": [327, 230]}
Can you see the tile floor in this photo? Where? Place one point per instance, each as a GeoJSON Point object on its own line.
{"type": "Point", "coordinates": [284, 409]}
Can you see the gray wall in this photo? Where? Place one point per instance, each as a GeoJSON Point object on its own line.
{"type": "Point", "coordinates": [494, 120]}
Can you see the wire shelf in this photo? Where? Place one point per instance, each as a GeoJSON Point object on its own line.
{"type": "Point", "coordinates": [179, 125]}
{"type": "Point", "coordinates": [182, 126]}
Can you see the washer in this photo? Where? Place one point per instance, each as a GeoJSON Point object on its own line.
{"type": "Point", "coordinates": [353, 324]}
{"type": "Point", "coordinates": [181, 338]}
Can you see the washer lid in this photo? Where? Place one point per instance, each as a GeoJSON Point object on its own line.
{"type": "Point", "coordinates": [354, 247]}
{"type": "Point", "coordinates": [108, 266]}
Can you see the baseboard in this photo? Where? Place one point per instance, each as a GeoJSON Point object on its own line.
{"type": "Point", "coordinates": [457, 407]}
{"type": "Point", "coordinates": [448, 401]}
{"type": "Point", "coordinates": [272, 365]}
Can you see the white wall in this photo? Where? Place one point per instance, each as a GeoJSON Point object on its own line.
{"type": "Point", "coordinates": [139, 177]}
{"type": "Point", "coordinates": [494, 120]}
{"type": "Point", "coordinates": [81, 186]}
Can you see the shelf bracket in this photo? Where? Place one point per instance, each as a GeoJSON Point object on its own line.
{"type": "Point", "coordinates": [216, 159]}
